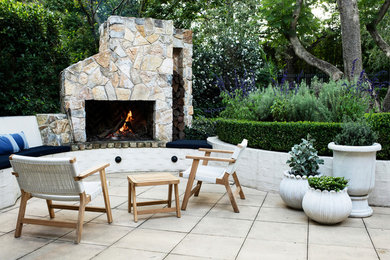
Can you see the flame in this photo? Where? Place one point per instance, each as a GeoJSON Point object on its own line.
{"type": "Point", "coordinates": [129, 118]}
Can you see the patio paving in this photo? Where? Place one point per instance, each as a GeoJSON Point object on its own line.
{"type": "Point", "coordinates": [209, 229]}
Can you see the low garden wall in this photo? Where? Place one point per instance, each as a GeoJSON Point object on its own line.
{"type": "Point", "coordinates": [263, 170]}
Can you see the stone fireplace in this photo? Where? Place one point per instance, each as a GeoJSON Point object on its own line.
{"type": "Point", "coordinates": [138, 87]}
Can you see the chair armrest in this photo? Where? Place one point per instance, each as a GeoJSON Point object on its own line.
{"type": "Point", "coordinates": [207, 158]}
{"type": "Point", "coordinates": [215, 150]}
{"type": "Point", "coordinates": [91, 171]}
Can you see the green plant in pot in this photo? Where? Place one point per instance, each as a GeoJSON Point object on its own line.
{"type": "Point", "coordinates": [354, 158]}
{"type": "Point", "coordinates": [304, 163]}
{"type": "Point", "coordinates": [327, 200]}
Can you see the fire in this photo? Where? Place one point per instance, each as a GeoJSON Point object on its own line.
{"type": "Point", "coordinates": [128, 120]}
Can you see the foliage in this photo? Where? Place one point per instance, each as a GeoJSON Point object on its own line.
{"type": "Point", "coordinates": [380, 123]}
{"type": "Point", "coordinates": [328, 183]}
{"type": "Point", "coordinates": [200, 129]}
{"type": "Point", "coordinates": [357, 133]}
{"type": "Point", "coordinates": [304, 159]}
{"type": "Point", "coordinates": [291, 101]}
{"type": "Point", "coordinates": [277, 136]}
{"type": "Point", "coordinates": [31, 59]}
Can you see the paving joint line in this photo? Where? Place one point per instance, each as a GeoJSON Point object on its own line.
{"type": "Point", "coordinates": [253, 222]}
{"type": "Point", "coordinates": [223, 194]}
{"type": "Point", "coordinates": [372, 242]}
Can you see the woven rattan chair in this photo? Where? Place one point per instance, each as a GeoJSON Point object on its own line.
{"type": "Point", "coordinates": [57, 179]}
{"type": "Point", "coordinates": [213, 174]}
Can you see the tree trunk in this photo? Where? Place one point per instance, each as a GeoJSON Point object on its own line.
{"type": "Point", "coordinates": [350, 35]}
{"type": "Point", "coordinates": [384, 46]}
{"type": "Point", "coordinates": [333, 72]}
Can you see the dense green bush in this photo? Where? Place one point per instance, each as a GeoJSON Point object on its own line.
{"type": "Point", "coordinates": [201, 128]}
{"type": "Point", "coordinates": [277, 136]}
{"type": "Point", "coordinates": [356, 133]}
{"type": "Point", "coordinates": [30, 59]}
{"type": "Point", "coordinates": [281, 136]}
{"type": "Point", "coordinates": [328, 183]}
{"type": "Point", "coordinates": [292, 102]}
{"type": "Point", "coordinates": [381, 124]}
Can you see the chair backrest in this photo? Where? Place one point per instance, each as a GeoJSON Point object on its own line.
{"type": "Point", "coordinates": [54, 176]}
{"type": "Point", "coordinates": [236, 155]}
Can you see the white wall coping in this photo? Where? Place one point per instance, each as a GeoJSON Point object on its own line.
{"type": "Point", "coordinates": [263, 170]}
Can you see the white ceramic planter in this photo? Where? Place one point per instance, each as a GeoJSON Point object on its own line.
{"type": "Point", "coordinates": [292, 189]}
{"type": "Point", "coordinates": [357, 165]}
{"type": "Point", "coordinates": [327, 207]}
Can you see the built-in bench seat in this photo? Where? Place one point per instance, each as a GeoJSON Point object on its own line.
{"type": "Point", "coordinates": [35, 152]}
{"type": "Point", "coordinates": [9, 189]}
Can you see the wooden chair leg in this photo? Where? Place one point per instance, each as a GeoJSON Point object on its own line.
{"type": "Point", "coordinates": [231, 196]}
{"type": "Point", "coordinates": [170, 195]}
{"type": "Point", "coordinates": [105, 195]}
{"type": "Point", "coordinates": [129, 202]}
{"type": "Point", "coordinates": [80, 220]}
{"type": "Point", "coordinates": [134, 203]}
{"type": "Point", "coordinates": [238, 185]}
{"type": "Point", "coordinates": [22, 211]}
{"type": "Point", "coordinates": [177, 202]}
{"type": "Point", "coordinates": [190, 182]}
{"type": "Point", "coordinates": [198, 186]}
{"type": "Point", "coordinates": [51, 210]}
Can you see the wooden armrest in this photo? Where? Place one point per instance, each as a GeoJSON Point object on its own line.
{"type": "Point", "coordinates": [215, 150]}
{"type": "Point", "coordinates": [91, 171]}
{"type": "Point", "coordinates": [207, 158]}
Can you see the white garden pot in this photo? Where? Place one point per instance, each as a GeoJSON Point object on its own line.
{"type": "Point", "coordinates": [357, 165]}
{"type": "Point", "coordinates": [292, 189]}
{"type": "Point", "coordinates": [327, 207]}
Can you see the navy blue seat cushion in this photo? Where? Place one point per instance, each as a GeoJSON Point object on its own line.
{"type": "Point", "coordinates": [191, 144]}
{"type": "Point", "coordinates": [34, 152]}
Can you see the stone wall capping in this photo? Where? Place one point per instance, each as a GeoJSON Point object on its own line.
{"type": "Point", "coordinates": [117, 144]}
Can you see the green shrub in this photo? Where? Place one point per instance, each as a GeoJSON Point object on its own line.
{"type": "Point", "coordinates": [277, 136]}
{"type": "Point", "coordinates": [31, 59]}
{"type": "Point", "coordinates": [381, 124]}
{"type": "Point", "coordinates": [343, 101]}
{"type": "Point", "coordinates": [328, 183]}
{"type": "Point", "coordinates": [357, 133]}
{"type": "Point", "coordinates": [304, 160]}
{"type": "Point", "coordinates": [200, 129]}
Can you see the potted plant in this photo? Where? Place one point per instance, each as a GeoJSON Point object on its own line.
{"type": "Point", "coordinates": [304, 163]}
{"type": "Point", "coordinates": [327, 200]}
{"type": "Point", "coordinates": [354, 158]}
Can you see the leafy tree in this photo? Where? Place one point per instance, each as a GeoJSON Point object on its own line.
{"type": "Point", "coordinates": [31, 59]}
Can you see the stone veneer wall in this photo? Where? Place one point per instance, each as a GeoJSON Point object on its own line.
{"type": "Point", "coordinates": [135, 62]}
{"type": "Point", "coordinates": [54, 129]}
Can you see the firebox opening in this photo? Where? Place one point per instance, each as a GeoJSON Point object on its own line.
{"type": "Point", "coordinates": [119, 120]}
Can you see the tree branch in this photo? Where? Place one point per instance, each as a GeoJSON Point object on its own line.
{"type": "Point", "coordinates": [118, 6]}
{"type": "Point", "coordinates": [371, 28]}
{"type": "Point", "coordinates": [302, 53]}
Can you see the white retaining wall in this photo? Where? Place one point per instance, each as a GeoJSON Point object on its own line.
{"type": "Point", "coordinates": [263, 170]}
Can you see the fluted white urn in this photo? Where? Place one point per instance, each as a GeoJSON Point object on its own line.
{"type": "Point", "coordinates": [292, 189]}
{"type": "Point", "coordinates": [357, 165]}
{"type": "Point", "coordinates": [327, 207]}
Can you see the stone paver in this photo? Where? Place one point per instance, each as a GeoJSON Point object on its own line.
{"type": "Point", "coordinates": [209, 229]}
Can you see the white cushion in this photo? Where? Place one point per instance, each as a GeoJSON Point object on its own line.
{"type": "Point", "coordinates": [91, 188]}
{"type": "Point", "coordinates": [206, 173]}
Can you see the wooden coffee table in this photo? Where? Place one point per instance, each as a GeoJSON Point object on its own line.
{"type": "Point", "coordinates": [153, 179]}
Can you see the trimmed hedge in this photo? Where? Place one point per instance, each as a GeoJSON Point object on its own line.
{"type": "Point", "coordinates": [381, 124]}
{"type": "Point", "coordinates": [281, 136]}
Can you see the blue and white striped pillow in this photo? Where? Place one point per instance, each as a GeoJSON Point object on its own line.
{"type": "Point", "coordinates": [21, 140]}
{"type": "Point", "coordinates": [8, 144]}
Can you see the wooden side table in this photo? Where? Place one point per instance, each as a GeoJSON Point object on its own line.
{"type": "Point", "coordinates": [153, 179]}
